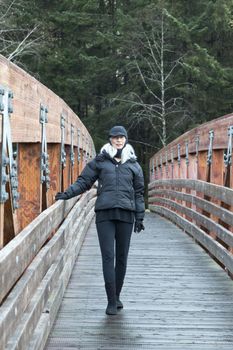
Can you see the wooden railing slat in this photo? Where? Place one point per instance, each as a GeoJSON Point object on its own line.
{"type": "Point", "coordinates": [18, 253]}
{"type": "Point", "coordinates": [220, 212]}
{"type": "Point", "coordinates": [27, 101]}
{"type": "Point", "coordinates": [61, 244]}
{"type": "Point", "coordinates": [222, 193]}
{"type": "Point", "coordinates": [225, 235]}
{"type": "Point", "coordinates": [55, 299]}
{"type": "Point", "coordinates": [24, 289]}
{"type": "Point", "coordinates": [214, 247]}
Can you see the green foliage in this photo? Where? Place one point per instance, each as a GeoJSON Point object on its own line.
{"type": "Point", "coordinates": [88, 51]}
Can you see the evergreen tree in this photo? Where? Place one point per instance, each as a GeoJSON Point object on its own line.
{"type": "Point", "coordinates": [89, 48]}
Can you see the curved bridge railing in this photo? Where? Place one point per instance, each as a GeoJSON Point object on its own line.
{"type": "Point", "coordinates": [44, 146]}
{"type": "Point", "coordinates": [35, 268]}
{"type": "Point", "coordinates": [191, 184]}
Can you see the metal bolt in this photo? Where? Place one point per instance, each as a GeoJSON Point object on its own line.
{"type": "Point", "coordinates": [5, 161]}
{"type": "Point", "coordinates": [10, 109]}
{"type": "Point", "coordinates": [10, 94]}
{"type": "Point", "coordinates": [15, 204]}
{"type": "Point", "coordinates": [4, 197]}
{"type": "Point", "coordinates": [5, 179]}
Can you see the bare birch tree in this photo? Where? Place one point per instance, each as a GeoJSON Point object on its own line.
{"type": "Point", "coordinates": [152, 59]}
{"type": "Point", "coordinates": [16, 41]}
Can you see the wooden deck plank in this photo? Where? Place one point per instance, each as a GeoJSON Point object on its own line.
{"type": "Point", "coordinates": [175, 297]}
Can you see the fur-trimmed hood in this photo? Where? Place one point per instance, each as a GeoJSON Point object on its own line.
{"type": "Point", "coordinates": [127, 152]}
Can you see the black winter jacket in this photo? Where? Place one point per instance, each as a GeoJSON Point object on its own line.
{"type": "Point", "coordinates": [120, 185]}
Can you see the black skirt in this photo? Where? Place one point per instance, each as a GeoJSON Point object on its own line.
{"type": "Point", "coordinates": [115, 214]}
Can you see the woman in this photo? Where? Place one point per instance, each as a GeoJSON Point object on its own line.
{"type": "Point", "coordinates": [119, 202]}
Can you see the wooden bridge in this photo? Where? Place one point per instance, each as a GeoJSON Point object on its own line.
{"type": "Point", "coordinates": [178, 290]}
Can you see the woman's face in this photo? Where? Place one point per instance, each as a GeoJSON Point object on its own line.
{"type": "Point", "coordinates": [118, 142]}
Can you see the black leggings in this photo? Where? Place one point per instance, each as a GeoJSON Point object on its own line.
{"type": "Point", "coordinates": [118, 232]}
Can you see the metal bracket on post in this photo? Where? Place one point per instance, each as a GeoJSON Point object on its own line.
{"type": "Point", "coordinates": [8, 169]}
{"type": "Point", "coordinates": [14, 178]}
{"type": "Point", "coordinates": [72, 146]}
{"type": "Point", "coordinates": [197, 147]}
{"type": "Point", "coordinates": [44, 160]}
{"type": "Point", "coordinates": [210, 149]}
{"type": "Point", "coordinates": [187, 152]}
{"type": "Point", "coordinates": [178, 154]}
{"type": "Point", "coordinates": [63, 152]}
{"type": "Point", "coordinates": [228, 155]}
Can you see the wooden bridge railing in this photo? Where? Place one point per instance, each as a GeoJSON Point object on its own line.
{"type": "Point", "coordinates": [191, 184]}
{"type": "Point", "coordinates": [43, 148]}
{"type": "Point", "coordinates": [35, 268]}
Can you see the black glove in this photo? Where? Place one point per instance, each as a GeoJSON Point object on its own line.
{"type": "Point", "coordinates": [61, 195]}
{"type": "Point", "coordinates": [138, 226]}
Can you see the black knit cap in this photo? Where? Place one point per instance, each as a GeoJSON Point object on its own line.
{"type": "Point", "coordinates": [118, 131]}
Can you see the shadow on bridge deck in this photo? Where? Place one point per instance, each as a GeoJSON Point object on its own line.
{"type": "Point", "coordinates": [175, 297]}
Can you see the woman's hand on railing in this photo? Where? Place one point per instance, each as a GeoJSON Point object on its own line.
{"type": "Point", "coordinates": [138, 226]}
{"type": "Point", "coordinates": [61, 195]}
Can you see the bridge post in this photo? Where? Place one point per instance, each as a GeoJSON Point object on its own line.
{"type": "Point", "coordinates": [9, 195]}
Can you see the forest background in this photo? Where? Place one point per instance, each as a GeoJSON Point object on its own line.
{"type": "Point", "coordinates": [157, 67]}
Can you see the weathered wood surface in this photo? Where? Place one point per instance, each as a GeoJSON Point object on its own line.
{"type": "Point", "coordinates": [175, 297]}
{"type": "Point", "coordinates": [211, 208]}
{"type": "Point", "coordinates": [27, 130]}
{"type": "Point", "coordinates": [29, 93]}
{"type": "Point", "coordinates": [207, 241]}
{"type": "Point", "coordinates": [49, 272]}
{"type": "Point", "coordinates": [221, 193]}
{"type": "Point", "coordinates": [17, 255]}
{"type": "Point", "coordinates": [221, 232]}
{"type": "Point", "coordinates": [220, 128]}
{"type": "Point", "coordinates": [29, 184]}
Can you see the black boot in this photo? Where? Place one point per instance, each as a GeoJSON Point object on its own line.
{"type": "Point", "coordinates": [119, 303]}
{"type": "Point", "coordinates": [119, 285]}
{"type": "Point", "coordinates": [111, 295]}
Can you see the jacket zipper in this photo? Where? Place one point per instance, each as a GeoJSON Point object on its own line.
{"type": "Point", "coordinates": [117, 178]}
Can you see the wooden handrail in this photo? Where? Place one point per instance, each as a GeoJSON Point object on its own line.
{"type": "Point", "coordinates": [28, 95]}
{"type": "Point", "coordinates": [201, 134]}
{"type": "Point", "coordinates": [223, 214]}
{"type": "Point", "coordinates": [17, 255]}
{"type": "Point", "coordinates": [39, 282]}
{"type": "Point", "coordinates": [222, 193]}
{"type": "Point", "coordinates": [191, 183]}
{"type": "Point", "coordinates": [210, 244]}
{"type": "Point", "coordinates": [222, 233]}
{"type": "Point", "coordinates": [44, 147]}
